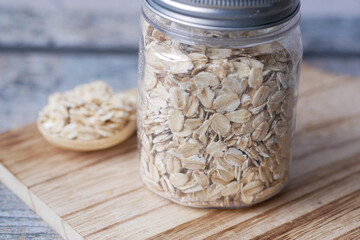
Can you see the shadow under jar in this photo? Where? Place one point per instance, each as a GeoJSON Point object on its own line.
{"type": "Point", "coordinates": [218, 88]}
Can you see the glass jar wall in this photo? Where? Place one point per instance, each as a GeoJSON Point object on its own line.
{"type": "Point", "coordinates": [216, 113]}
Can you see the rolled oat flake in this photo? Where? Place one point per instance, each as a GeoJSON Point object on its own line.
{"type": "Point", "coordinates": [218, 86]}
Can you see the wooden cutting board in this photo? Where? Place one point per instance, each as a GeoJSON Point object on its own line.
{"type": "Point", "coordinates": [99, 195]}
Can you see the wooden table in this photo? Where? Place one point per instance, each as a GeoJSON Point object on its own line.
{"type": "Point", "coordinates": [43, 52]}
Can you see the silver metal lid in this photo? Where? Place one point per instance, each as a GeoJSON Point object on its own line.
{"type": "Point", "coordinates": [226, 14]}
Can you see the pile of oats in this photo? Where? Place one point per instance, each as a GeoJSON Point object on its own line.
{"type": "Point", "coordinates": [88, 112]}
{"type": "Point", "coordinates": [216, 124]}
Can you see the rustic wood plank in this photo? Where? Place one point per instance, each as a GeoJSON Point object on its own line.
{"type": "Point", "coordinates": [340, 64]}
{"type": "Point", "coordinates": [18, 221]}
{"type": "Point", "coordinates": [105, 198]}
{"type": "Point", "coordinates": [70, 24]}
{"type": "Point", "coordinates": [331, 35]}
{"type": "Point", "coordinates": [114, 25]}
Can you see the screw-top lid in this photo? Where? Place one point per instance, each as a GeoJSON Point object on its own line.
{"type": "Point", "coordinates": [226, 14]}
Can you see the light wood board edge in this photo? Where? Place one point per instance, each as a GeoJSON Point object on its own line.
{"type": "Point", "coordinates": [38, 206]}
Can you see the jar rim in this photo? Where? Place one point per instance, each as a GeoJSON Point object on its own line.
{"type": "Point", "coordinates": [226, 15]}
{"type": "Point", "coordinates": [225, 38]}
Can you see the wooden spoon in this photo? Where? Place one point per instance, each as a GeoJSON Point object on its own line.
{"type": "Point", "coordinates": [92, 145]}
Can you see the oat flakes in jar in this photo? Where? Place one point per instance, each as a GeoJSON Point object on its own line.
{"type": "Point", "coordinates": [218, 88]}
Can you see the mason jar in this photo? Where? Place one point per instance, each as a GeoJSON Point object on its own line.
{"type": "Point", "coordinates": [217, 95]}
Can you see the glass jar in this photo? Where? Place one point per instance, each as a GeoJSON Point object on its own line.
{"type": "Point", "coordinates": [216, 113]}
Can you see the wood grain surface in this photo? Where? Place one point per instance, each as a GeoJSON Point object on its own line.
{"type": "Point", "coordinates": [100, 196]}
